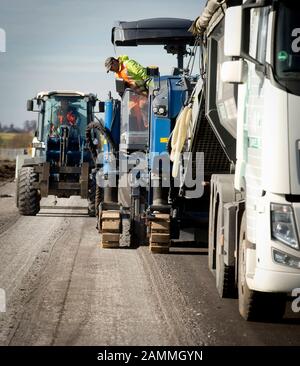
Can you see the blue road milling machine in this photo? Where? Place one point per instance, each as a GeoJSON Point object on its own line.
{"type": "Point", "coordinates": [141, 202]}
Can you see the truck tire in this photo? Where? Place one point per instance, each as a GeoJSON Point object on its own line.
{"type": "Point", "coordinates": [28, 196]}
{"type": "Point", "coordinates": [256, 305]}
{"type": "Point", "coordinates": [225, 275]}
{"type": "Point", "coordinates": [212, 232]}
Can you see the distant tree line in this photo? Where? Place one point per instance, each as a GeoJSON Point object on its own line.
{"type": "Point", "coordinates": [28, 126]}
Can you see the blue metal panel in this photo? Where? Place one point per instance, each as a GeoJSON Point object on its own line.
{"type": "Point", "coordinates": [115, 123]}
{"type": "Point", "coordinates": [108, 113]}
{"type": "Point", "coordinates": [160, 132]}
{"type": "Point", "coordinates": [107, 124]}
{"type": "Point", "coordinates": [161, 125]}
{"type": "Point", "coordinates": [177, 96]}
{"type": "Point", "coordinates": [112, 123]}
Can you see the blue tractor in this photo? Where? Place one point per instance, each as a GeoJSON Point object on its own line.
{"type": "Point", "coordinates": [61, 163]}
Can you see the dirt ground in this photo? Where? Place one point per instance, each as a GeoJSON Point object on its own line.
{"type": "Point", "coordinates": [62, 288]}
{"type": "Point", "coordinates": [7, 170]}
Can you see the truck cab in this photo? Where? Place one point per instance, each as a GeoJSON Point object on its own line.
{"type": "Point", "coordinates": [253, 102]}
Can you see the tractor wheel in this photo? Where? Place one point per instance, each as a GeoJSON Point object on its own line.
{"type": "Point", "coordinates": [256, 305]}
{"type": "Point", "coordinates": [28, 196]}
{"type": "Point", "coordinates": [17, 191]}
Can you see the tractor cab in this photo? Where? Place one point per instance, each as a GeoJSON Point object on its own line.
{"type": "Point", "coordinates": [63, 118]}
{"type": "Point", "coordinates": [61, 163]}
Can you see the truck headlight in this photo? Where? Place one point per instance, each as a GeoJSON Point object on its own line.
{"type": "Point", "coordinates": [283, 225]}
{"type": "Point", "coordinates": [286, 259]}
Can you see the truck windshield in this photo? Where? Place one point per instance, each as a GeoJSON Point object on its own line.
{"type": "Point", "coordinates": [68, 111]}
{"type": "Point", "coordinates": [287, 49]}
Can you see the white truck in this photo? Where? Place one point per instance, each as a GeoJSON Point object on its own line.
{"type": "Point", "coordinates": [251, 99]}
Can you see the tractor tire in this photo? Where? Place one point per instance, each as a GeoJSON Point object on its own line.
{"type": "Point", "coordinates": [256, 305]}
{"type": "Point", "coordinates": [225, 275]}
{"type": "Point", "coordinates": [28, 196]}
{"type": "Point", "coordinates": [17, 191]}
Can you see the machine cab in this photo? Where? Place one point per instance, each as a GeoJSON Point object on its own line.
{"type": "Point", "coordinates": [134, 121]}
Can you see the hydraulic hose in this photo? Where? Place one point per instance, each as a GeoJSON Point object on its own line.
{"type": "Point", "coordinates": [104, 131]}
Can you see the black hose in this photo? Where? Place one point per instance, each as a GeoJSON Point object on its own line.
{"type": "Point", "coordinates": [104, 131]}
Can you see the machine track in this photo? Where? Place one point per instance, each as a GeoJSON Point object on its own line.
{"type": "Point", "coordinates": [110, 228]}
{"type": "Point", "coordinates": [160, 239]}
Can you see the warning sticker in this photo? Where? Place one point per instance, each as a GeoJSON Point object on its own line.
{"type": "Point", "coordinates": [164, 139]}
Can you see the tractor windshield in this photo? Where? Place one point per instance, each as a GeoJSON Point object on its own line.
{"type": "Point", "coordinates": [65, 111]}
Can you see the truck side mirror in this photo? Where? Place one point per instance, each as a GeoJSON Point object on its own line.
{"type": "Point", "coordinates": [101, 107]}
{"type": "Point", "coordinates": [234, 71]}
{"type": "Point", "coordinates": [120, 86]}
{"type": "Point", "coordinates": [30, 105]}
{"type": "Point", "coordinates": [237, 30]}
{"type": "Point", "coordinates": [152, 71]}
{"type": "Point", "coordinates": [233, 31]}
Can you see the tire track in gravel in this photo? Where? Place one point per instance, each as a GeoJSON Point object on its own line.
{"type": "Point", "coordinates": [170, 300]}
{"type": "Point", "coordinates": [21, 278]}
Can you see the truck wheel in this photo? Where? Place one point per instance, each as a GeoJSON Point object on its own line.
{"type": "Point", "coordinates": [92, 198]}
{"type": "Point", "coordinates": [212, 232]}
{"type": "Point", "coordinates": [28, 196]}
{"type": "Point", "coordinates": [256, 305]}
{"type": "Point", "coordinates": [225, 275]}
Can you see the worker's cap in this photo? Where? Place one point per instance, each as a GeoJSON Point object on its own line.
{"type": "Point", "coordinates": [108, 63]}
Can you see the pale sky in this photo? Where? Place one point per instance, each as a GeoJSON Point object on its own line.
{"type": "Point", "coordinates": [62, 44]}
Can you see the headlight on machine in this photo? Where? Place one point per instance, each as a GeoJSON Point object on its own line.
{"type": "Point", "coordinates": [283, 225]}
{"type": "Point", "coordinates": [38, 145]}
